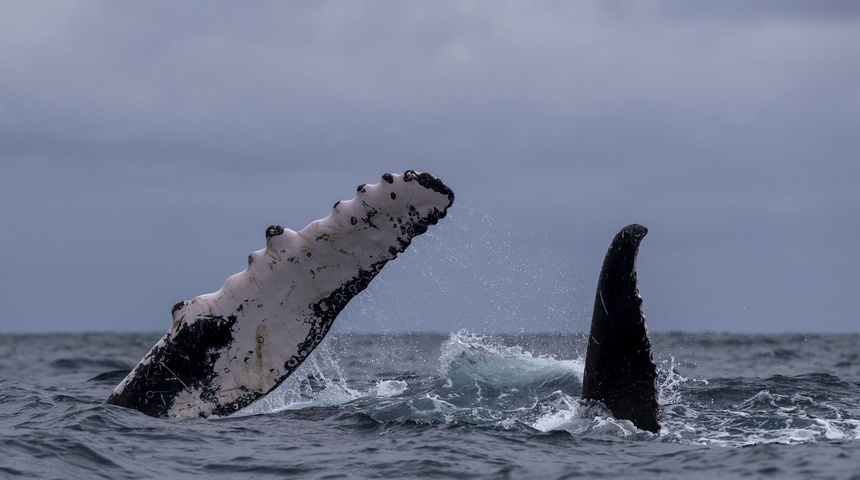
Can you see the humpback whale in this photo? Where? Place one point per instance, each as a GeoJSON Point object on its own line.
{"type": "Point", "coordinates": [619, 370]}
{"type": "Point", "coordinates": [229, 348]}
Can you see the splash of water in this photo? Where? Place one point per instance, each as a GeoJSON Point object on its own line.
{"type": "Point", "coordinates": [318, 382]}
{"type": "Point", "coordinates": [482, 381]}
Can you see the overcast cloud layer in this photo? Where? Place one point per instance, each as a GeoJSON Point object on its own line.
{"type": "Point", "coordinates": [146, 146]}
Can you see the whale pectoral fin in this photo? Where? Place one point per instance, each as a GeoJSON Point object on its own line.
{"type": "Point", "coordinates": [619, 370]}
{"type": "Point", "coordinates": [227, 349]}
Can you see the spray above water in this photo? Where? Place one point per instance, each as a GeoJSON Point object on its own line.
{"type": "Point", "coordinates": [475, 269]}
{"type": "Point", "coordinates": [319, 382]}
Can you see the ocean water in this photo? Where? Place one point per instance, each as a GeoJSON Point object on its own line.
{"type": "Point", "coordinates": [444, 406]}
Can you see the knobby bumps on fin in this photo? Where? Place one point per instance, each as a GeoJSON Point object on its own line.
{"type": "Point", "coordinates": [226, 349]}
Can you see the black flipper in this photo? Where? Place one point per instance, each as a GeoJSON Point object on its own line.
{"type": "Point", "coordinates": [619, 369]}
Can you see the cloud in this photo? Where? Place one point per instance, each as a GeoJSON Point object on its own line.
{"type": "Point", "coordinates": [164, 137]}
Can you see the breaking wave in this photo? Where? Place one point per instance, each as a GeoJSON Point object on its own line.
{"type": "Point", "coordinates": [485, 383]}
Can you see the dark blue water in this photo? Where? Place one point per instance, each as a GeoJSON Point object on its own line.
{"type": "Point", "coordinates": [445, 406]}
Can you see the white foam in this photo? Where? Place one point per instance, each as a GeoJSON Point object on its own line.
{"type": "Point", "coordinates": [559, 414]}
{"type": "Point", "coordinates": [754, 422]}
{"type": "Point", "coordinates": [390, 388]}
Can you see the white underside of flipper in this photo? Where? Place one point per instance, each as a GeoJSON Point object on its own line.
{"type": "Point", "coordinates": [237, 344]}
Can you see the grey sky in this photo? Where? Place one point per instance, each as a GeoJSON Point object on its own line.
{"type": "Point", "coordinates": [145, 147]}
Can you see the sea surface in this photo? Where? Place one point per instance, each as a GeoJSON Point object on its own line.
{"type": "Point", "coordinates": [461, 405]}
